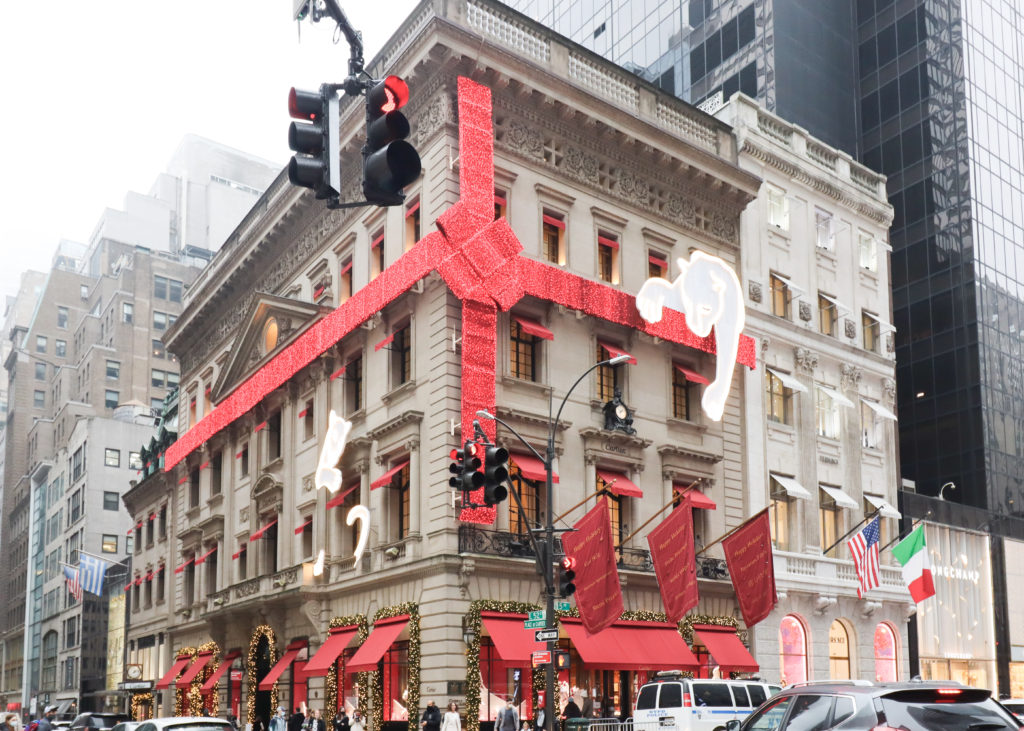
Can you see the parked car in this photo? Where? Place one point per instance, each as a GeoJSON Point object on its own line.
{"type": "Point", "coordinates": [126, 726]}
{"type": "Point", "coordinates": [671, 701]}
{"type": "Point", "coordinates": [177, 723]}
{"type": "Point", "coordinates": [911, 706]}
{"type": "Point", "coordinates": [1015, 706]}
{"type": "Point", "coordinates": [96, 721]}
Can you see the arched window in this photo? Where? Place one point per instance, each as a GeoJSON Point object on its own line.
{"type": "Point", "coordinates": [838, 651]}
{"type": "Point", "coordinates": [885, 654]}
{"type": "Point", "coordinates": [793, 650]}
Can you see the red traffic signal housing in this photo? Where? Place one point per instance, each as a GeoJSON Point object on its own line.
{"type": "Point", "coordinates": [389, 162]}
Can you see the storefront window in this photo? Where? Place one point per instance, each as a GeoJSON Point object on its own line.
{"type": "Point", "coordinates": [885, 654]}
{"type": "Point", "coordinates": [395, 680]}
{"type": "Point", "coordinates": [348, 688]}
{"type": "Point", "coordinates": [499, 682]}
{"type": "Point", "coordinates": [609, 693]}
{"type": "Point", "coordinates": [793, 641]}
{"type": "Point", "coordinates": [839, 651]}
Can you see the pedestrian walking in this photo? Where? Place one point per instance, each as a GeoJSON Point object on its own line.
{"type": "Point", "coordinates": [341, 722]}
{"type": "Point", "coordinates": [46, 722]}
{"type": "Point", "coordinates": [508, 718]}
{"type": "Point", "coordinates": [259, 724]}
{"type": "Point", "coordinates": [230, 718]}
{"type": "Point", "coordinates": [538, 722]}
{"type": "Point", "coordinates": [451, 721]}
{"type": "Point", "coordinates": [587, 711]}
{"type": "Point", "coordinates": [9, 722]}
{"type": "Point", "coordinates": [278, 722]}
{"type": "Point", "coordinates": [431, 719]}
{"type": "Point", "coordinates": [357, 724]}
{"type": "Point", "coordinates": [318, 721]}
{"type": "Point", "coordinates": [571, 710]}
{"type": "Point", "coordinates": [295, 720]}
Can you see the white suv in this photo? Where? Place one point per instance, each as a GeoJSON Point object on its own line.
{"type": "Point", "coordinates": [691, 704]}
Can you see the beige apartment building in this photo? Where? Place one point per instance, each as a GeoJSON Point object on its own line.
{"type": "Point", "coordinates": [604, 181]}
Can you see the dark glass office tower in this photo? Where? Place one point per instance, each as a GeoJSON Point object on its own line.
{"type": "Point", "coordinates": [697, 48]}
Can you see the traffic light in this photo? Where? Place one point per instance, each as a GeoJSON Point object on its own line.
{"type": "Point", "coordinates": [456, 468]}
{"type": "Point", "coordinates": [495, 474]}
{"type": "Point", "coordinates": [561, 660]}
{"type": "Point", "coordinates": [566, 576]}
{"type": "Point", "coordinates": [315, 137]}
{"type": "Point", "coordinates": [466, 468]}
{"type": "Point", "coordinates": [389, 162]}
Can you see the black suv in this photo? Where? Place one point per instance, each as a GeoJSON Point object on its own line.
{"type": "Point", "coordinates": [913, 706]}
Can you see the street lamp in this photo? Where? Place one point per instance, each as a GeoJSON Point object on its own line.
{"type": "Point", "coordinates": [548, 547]}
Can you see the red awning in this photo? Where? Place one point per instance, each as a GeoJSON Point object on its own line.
{"type": "Point", "coordinates": [696, 498]}
{"type": "Point", "coordinates": [194, 669]}
{"type": "Point", "coordinates": [552, 221]}
{"type": "Point", "coordinates": [532, 327]}
{"type": "Point", "coordinates": [532, 468]}
{"type": "Point", "coordinates": [386, 478]}
{"type": "Point", "coordinates": [13, 706]}
{"type": "Point", "coordinates": [657, 260]}
{"type": "Point", "coordinates": [259, 534]}
{"type": "Point", "coordinates": [340, 497]}
{"type": "Point", "coordinates": [290, 653]}
{"type": "Point", "coordinates": [377, 242]}
{"type": "Point", "coordinates": [202, 559]}
{"type": "Point", "coordinates": [337, 640]}
{"type": "Point", "coordinates": [610, 243]}
{"type": "Point", "coordinates": [613, 351]}
{"type": "Point", "coordinates": [514, 642]}
{"type": "Point", "coordinates": [619, 484]}
{"type": "Point", "coordinates": [210, 685]}
{"type": "Point", "coordinates": [691, 376]}
{"type": "Point", "coordinates": [170, 675]}
{"type": "Point", "coordinates": [182, 567]}
{"type": "Point", "coordinates": [631, 646]}
{"type": "Point", "coordinates": [725, 647]}
{"type": "Point", "coordinates": [299, 530]}
{"type": "Point", "coordinates": [385, 631]}
{"type": "Point", "coordinates": [412, 209]}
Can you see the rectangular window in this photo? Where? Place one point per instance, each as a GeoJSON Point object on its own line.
{"type": "Point", "coordinates": [657, 264]}
{"type": "Point", "coordinates": [401, 356]}
{"type": "Point", "coordinates": [680, 395]}
{"type": "Point", "coordinates": [274, 436]}
{"type": "Point", "coordinates": [308, 423]}
{"type": "Point", "coordinates": [531, 494]}
{"type": "Point", "coordinates": [778, 207]}
{"type": "Point", "coordinates": [162, 518]}
{"type": "Point", "coordinates": [404, 502]}
{"type": "Point", "coordinates": [828, 315]}
{"type": "Point", "coordinates": [345, 281]}
{"type": "Point", "coordinates": [111, 399]}
{"type": "Point", "coordinates": [158, 349]}
{"type": "Point", "coordinates": [781, 297]}
{"type": "Point", "coordinates": [607, 258]}
{"type": "Point", "coordinates": [61, 348]}
{"type": "Point", "coordinates": [243, 563]}
{"type": "Point", "coordinates": [40, 371]}
{"type": "Point", "coordinates": [354, 385]}
{"type": "Point", "coordinates": [871, 428]}
{"type": "Point", "coordinates": [113, 369]}
{"type": "Point", "coordinates": [779, 516]}
{"type": "Point", "coordinates": [83, 291]}
{"type": "Point", "coordinates": [77, 464]}
{"type": "Point", "coordinates": [412, 223]}
{"type": "Point", "coordinates": [779, 400]}
{"type": "Point", "coordinates": [193, 489]}
{"type": "Point", "coordinates": [523, 348]}
{"type": "Point", "coordinates": [827, 412]}
{"type": "Point", "coordinates": [149, 531]}
{"type": "Point", "coordinates": [824, 235]}
{"type": "Point", "coordinates": [553, 238]}
{"type": "Point", "coordinates": [307, 535]}
{"type": "Point", "coordinates": [160, 287]}
{"type": "Point", "coordinates": [608, 378]}
{"type": "Point", "coordinates": [244, 460]}
{"type": "Point", "coordinates": [109, 544]}
{"type": "Point", "coordinates": [500, 204]}
{"type": "Point", "coordinates": [159, 320]}
{"type": "Point", "coordinates": [868, 249]}
{"type": "Point", "coordinates": [62, 318]}
{"type": "Point", "coordinates": [174, 290]}
{"type": "Point", "coordinates": [39, 399]}
{"type": "Point", "coordinates": [111, 500]}
{"type": "Point", "coordinates": [127, 312]}
{"type": "Point", "coordinates": [828, 523]}
{"type": "Point", "coordinates": [112, 457]}
{"type": "Point", "coordinates": [870, 326]}
{"type": "Point", "coordinates": [376, 254]}
{"type": "Point", "coordinates": [40, 343]}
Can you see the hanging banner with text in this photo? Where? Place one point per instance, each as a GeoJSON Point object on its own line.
{"type": "Point", "coordinates": [671, 546]}
{"type": "Point", "coordinates": [598, 592]}
{"type": "Point", "coordinates": [748, 553]}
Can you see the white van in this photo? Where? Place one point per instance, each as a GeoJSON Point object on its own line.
{"type": "Point", "coordinates": [691, 704]}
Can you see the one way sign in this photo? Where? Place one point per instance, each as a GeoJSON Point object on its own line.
{"type": "Point", "coordinates": [544, 635]}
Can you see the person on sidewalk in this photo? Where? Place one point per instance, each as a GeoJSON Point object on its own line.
{"type": "Point", "coordinates": [508, 718]}
{"type": "Point", "coordinates": [431, 719]}
{"type": "Point", "coordinates": [451, 721]}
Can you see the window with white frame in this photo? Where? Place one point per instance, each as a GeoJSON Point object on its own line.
{"type": "Point", "coordinates": [828, 523]}
{"type": "Point", "coordinates": [778, 207]}
{"type": "Point", "coordinates": [871, 430]}
{"type": "Point", "coordinates": [824, 235]}
{"type": "Point", "coordinates": [781, 296]}
{"type": "Point", "coordinates": [827, 412]}
{"type": "Point", "coordinates": [867, 247]}
{"type": "Point", "coordinates": [780, 510]}
{"type": "Point", "coordinates": [778, 398]}
{"type": "Point", "coordinates": [871, 331]}
{"type": "Point", "coordinates": [828, 315]}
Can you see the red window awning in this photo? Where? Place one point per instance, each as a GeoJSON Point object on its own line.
{"type": "Point", "coordinates": [202, 559]}
{"type": "Point", "coordinates": [290, 653]}
{"type": "Point", "coordinates": [299, 530]}
{"type": "Point", "coordinates": [340, 497]}
{"type": "Point", "coordinates": [260, 533]}
{"type": "Point", "coordinates": [179, 664]}
{"type": "Point", "coordinates": [514, 642]}
{"type": "Point", "coordinates": [194, 669]}
{"type": "Point", "coordinates": [532, 327]}
{"type": "Point", "coordinates": [182, 567]}
{"type": "Point", "coordinates": [657, 260]}
{"type": "Point", "coordinates": [612, 351]}
{"type": "Point", "coordinates": [631, 646]}
{"type": "Point", "coordinates": [619, 484]}
{"type": "Point", "coordinates": [386, 478]}
{"type": "Point", "coordinates": [412, 209]}
{"type": "Point", "coordinates": [532, 468]}
{"type": "Point", "coordinates": [337, 640]}
{"type": "Point", "coordinates": [610, 243]}
{"type": "Point", "coordinates": [210, 686]}
{"type": "Point", "coordinates": [691, 376]}
{"type": "Point", "coordinates": [385, 631]}
{"type": "Point", "coordinates": [556, 222]}
{"type": "Point", "coordinates": [726, 649]}
{"type": "Point", "coordinates": [695, 497]}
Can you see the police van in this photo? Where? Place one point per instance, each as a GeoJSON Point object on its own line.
{"type": "Point", "coordinates": [672, 702]}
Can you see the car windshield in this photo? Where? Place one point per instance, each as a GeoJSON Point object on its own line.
{"type": "Point", "coordinates": [954, 716]}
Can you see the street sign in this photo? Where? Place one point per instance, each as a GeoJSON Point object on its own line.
{"type": "Point", "coordinates": [534, 624]}
{"type": "Point", "coordinates": [543, 635]}
{"type": "Point", "coordinates": [536, 614]}
{"type": "Point", "coordinates": [562, 606]}
{"type": "Point", "coordinates": [542, 658]}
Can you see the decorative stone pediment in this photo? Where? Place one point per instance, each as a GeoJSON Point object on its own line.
{"type": "Point", "coordinates": [604, 446]}
{"type": "Point", "coordinates": [268, 494]}
{"type": "Point", "coordinates": [271, 323]}
{"type": "Point", "coordinates": [212, 528]}
{"type": "Point", "coordinates": [678, 462]}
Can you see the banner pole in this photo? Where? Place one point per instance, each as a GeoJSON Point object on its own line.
{"type": "Point", "coordinates": [723, 537]}
{"type": "Point", "coordinates": [581, 502]}
{"type": "Point", "coordinates": [852, 530]}
{"type": "Point", "coordinates": [661, 510]}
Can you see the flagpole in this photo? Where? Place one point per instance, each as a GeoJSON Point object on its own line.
{"type": "Point", "coordinates": [581, 502]}
{"type": "Point", "coordinates": [852, 530]}
{"type": "Point", "coordinates": [909, 531]}
{"type": "Point", "coordinates": [723, 537]}
{"type": "Point", "coordinates": [661, 510]}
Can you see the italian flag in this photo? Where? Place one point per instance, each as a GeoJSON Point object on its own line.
{"type": "Point", "coordinates": [917, 569]}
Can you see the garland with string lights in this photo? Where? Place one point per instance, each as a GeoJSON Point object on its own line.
{"type": "Point", "coordinates": [195, 690]}
{"type": "Point", "coordinates": [331, 682]}
{"type": "Point", "coordinates": [473, 623]}
{"type": "Point", "coordinates": [686, 625]}
{"type": "Point", "coordinates": [179, 694]}
{"type": "Point", "coordinates": [264, 630]}
{"type": "Point", "coordinates": [376, 688]}
{"type": "Point", "coordinates": [139, 699]}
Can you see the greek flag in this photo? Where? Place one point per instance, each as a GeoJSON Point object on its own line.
{"type": "Point", "coordinates": [92, 571]}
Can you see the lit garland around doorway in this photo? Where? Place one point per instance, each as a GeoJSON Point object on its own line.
{"type": "Point", "coordinates": [376, 688]}
{"type": "Point", "coordinates": [139, 700]}
{"type": "Point", "coordinates": [179, 694]}
{"type": "Point", "coordinates": [331, 683]}
{"type": "Point", "coordinates": [264, 630]}
{"type": "Point", "coordinates": [195, 691]}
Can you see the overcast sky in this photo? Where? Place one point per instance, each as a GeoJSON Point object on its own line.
{"type": "Point", "coordinates": [97, 95]}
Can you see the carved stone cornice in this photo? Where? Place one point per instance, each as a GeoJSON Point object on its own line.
{"type": "Point", "coordinates": [392, 425]}
{"type": "Point", "coordinates": [211, 526]}
{"type": "Point", "coordinates": [600, 445]}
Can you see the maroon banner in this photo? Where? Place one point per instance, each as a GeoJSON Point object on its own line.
{"type": "Point", "coordinates": [598, 592]}
{"type": "Point", "coordinates": [748, 553]}
{"type": "Point", "coordinates": [671, 546]}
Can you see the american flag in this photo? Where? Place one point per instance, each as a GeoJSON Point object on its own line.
{"type": "Point", "coordinates": [864, 547]}
{"type": "Point", "coordinates": [71, 576]}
